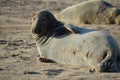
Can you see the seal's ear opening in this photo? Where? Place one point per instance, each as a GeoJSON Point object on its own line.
{"type": "Point", "coordinates": [43, 20]}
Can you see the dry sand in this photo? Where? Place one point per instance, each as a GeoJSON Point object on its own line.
{"type": "Point", "coordinates": [18, 52]}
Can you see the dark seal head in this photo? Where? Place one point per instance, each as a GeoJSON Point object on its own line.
{"type": "Point", "coordinates": [45, 24]}
{"type": "Point", "coordinates": [42, 22]}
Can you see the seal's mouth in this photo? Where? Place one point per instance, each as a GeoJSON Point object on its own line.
{"type": "Point", "coordinates": [38, 32]}
{"type": "Point", "coordinates": [34, 31]}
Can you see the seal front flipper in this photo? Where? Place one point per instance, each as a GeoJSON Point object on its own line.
{"type": "Point", "coordinates": [46, 60]}
{"type": "Point", "coordinates": [72, 28]}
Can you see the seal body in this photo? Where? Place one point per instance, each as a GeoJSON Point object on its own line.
{"type": "Point", "coordinates": [69, 44]}
{"type": "Point", "coordinates": [90, 12]}
{"type": "Point", "coordinates": [88, 49]}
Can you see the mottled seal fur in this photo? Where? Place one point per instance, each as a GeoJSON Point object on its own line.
{"type": "Point", "coordinates": [69, 44]}
{"type": "Point", "coordinates": [90, 12]}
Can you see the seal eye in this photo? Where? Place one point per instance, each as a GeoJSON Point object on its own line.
{"type": "Point", "coordinates": [34, 18]}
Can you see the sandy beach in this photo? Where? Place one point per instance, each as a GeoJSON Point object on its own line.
{"type": "Point", "coordinates": [19, 58]}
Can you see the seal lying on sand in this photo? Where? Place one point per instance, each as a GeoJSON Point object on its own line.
{"type": "Point", "coordinates": [90, 12]}
{"type": "Point", "coordinates": [68, 44]}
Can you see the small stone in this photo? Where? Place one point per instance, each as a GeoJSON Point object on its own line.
{"type": "Point", "coordinates": [31, 72]}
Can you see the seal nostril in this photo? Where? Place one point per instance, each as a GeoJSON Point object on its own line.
{"type": "Point", "coordinates": [33, 31]}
